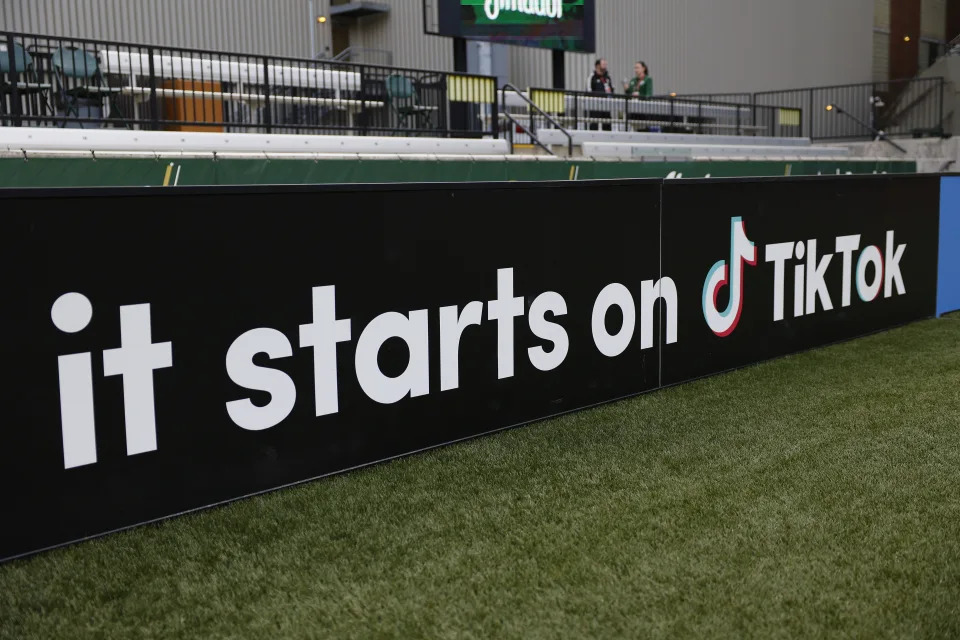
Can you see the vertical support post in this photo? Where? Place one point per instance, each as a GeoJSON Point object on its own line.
{"type": "Point", "coordinates": [364, 118]}
{"type": "Point", "coordinates": [494, 112]}
{"type": "Point", "coordinates": [154, 107]}
{"type": "Point", "coordinates": [460, 55]}
{"type": "Point", "coordinates": [940, 109]}
{"type": "Point", "coordinates": [530, 117]}
{"type": "Point", "coordinates": [559, 69]}
{"type": "Point", "coordinates": [267, 115]}
{"type": "Point", "coordinates": [509, 122]}
{"type": "Point", "coordinates": [16, 108]}
{"type": "Point", "coordinates": [458, 111]}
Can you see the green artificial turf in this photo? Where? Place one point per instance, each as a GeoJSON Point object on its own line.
{"type": "Point", "coordinates": [817, 495]}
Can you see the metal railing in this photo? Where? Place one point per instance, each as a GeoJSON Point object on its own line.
{"type": "Point", "coordinates": [728, 98]}
{"type": "Point", "coordinates": [897, 108]}
{"type": "Point", "coordinates": [953, 47]}
{"type": "Point", "coordinates": [366, 55]}
{"type": "Point", "coordinates": [555, 108]}
{"type": "Point", "coordinates": [509, 89]}
{"type": "Point", "coordinates": [74, 82]}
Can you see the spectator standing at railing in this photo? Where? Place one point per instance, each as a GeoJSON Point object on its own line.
{"type": "Point", "coordinates": [599, 82]}
{"type": "Point", "coordinates": [641, 85]}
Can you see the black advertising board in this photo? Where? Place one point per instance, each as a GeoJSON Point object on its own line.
{"type": "Point", "coordinates": [771, 267]}
{"type": "Point", "coordinates": [171, 349]}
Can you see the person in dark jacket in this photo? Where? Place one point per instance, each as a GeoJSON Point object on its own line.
{"type": "Point", "coordinates": [600, 78]}
{"type": "Point", "coordinates": [599, 82]}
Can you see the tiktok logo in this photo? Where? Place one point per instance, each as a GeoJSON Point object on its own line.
{"type": "Point", "coordinates": [742, 250]}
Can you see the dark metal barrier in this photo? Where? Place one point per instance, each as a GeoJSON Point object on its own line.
{"type": "Point", "coordinates": [732, 98]}
{"type": "Point", "coordinates": [897, 107]}
{"type": "Point", "coordinates": [73, 82]}
{"type": "Point", "coordinates": [669, 114]}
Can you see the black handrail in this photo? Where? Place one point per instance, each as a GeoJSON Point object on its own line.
{"type": "Point", "coordinates": [531, 103]}
{"type": "Point", "coordinates": [143, 86]}
{"type": "Point", "coordinates": [896, 107]}
{"type": "Point", "coordinates": [900, 112]}
{"type": "Point", "coordinates": [877, 133]}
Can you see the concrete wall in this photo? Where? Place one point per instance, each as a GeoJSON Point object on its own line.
{"type": "Point", "coordinates": [932, 155]}
{"type": "Point", "coordinates": [948, 68]}
{"type": "Point", "coordinates": [691, 45]}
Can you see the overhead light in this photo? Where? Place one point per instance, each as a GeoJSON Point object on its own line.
{"type": "Point", "coordinates": [673, 94]}
{"type": "Point", "coordinates": [906, 38]}
{"type": "Point", "coordinates": [321, 19]}
{"type": "Point", "coordinates": [829, 107]}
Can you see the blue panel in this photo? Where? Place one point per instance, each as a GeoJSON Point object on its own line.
{"type": "Point", "coordinates": [948, 280]}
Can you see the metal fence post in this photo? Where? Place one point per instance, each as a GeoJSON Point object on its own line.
{"type": "Point", "coordinates": [533, 123]}
{"type": "Point", "coordinates": [494, 113]}
{"type": "Point", "coordinates": [15, 107]}
{"type": "Point", "coordinates": [363, 105]}
{"type": "Point", "coordinates": [512, 126]}
{"type": "Point", "coordinates": [940, 110]}
{"type": "Point", "coordinates": [267, 116]}
{"type": "Point", "coordinates": [154, 111]}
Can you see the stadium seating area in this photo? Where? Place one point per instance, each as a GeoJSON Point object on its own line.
{"type": "Point", "coordinates": [71, 95]}
{"type": "Point", "coordinates": [587, 144]}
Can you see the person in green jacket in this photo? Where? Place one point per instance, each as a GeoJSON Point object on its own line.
{"type": "Point", "coordinates": [641, 85]}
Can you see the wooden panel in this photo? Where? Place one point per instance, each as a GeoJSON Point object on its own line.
{"type": "Point", "coordinates": [193, 109]}
{"type": "Point", "coordinates": [904, 22]}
